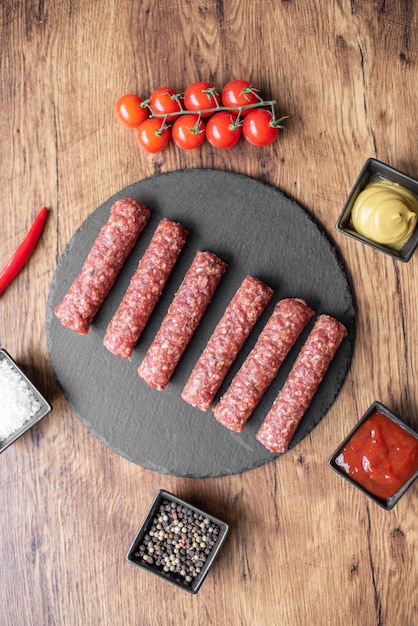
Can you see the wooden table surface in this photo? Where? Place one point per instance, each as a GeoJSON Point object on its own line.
{"type": "Point", "coordinates": [304, 547]}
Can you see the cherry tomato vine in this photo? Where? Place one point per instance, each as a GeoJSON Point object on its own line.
{"type": "Point", "coordinates": [200, 113]}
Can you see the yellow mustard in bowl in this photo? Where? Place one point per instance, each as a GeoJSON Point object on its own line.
{"type": "Point", "coordinates": [385, 212]}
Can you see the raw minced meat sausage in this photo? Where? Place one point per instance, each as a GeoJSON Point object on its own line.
{"type": "Point", "coordinates": [289, 318]}
{"type": "Point", "coordinates": [182, 318]}
{"type": "Point", "coordinates": [145, 288]}
{"type": "Point", "coordinates": [229, 336]}
{"type": "Point", "coordinates": [109, 252]}
{"type": "Point", "coordinates": [292, 402]}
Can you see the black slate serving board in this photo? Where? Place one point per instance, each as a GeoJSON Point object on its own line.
{"type": "Point", "coordinates": [257, 230]}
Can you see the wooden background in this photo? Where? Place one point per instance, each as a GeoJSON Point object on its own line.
{"type": "Point", "coordinates": [304, 548]}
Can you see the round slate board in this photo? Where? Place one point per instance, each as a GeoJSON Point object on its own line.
{"type": "Point", "coordinates": [257, 230]}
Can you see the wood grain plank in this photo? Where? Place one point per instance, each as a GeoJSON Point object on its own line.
{"type": "Point", "coordinates": [304, 547]}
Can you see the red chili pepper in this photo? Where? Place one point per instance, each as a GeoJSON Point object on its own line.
{"type": "Point", "coordinates": [22, 254]}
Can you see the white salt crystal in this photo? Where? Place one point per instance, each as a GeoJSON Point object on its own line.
{"type": "Point", "coordinates": [17, 401]}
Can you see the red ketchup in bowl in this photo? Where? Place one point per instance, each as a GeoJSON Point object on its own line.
{"type": "Point", "coordinates": [380, 456]}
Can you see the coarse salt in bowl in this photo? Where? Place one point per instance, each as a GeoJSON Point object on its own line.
{"type": "Point", "coordinates": [21, 403]}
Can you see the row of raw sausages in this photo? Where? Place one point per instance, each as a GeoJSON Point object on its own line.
{"type": "Point", "coordinates": [290, 316]}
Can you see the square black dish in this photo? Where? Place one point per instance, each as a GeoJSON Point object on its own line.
{"type": "Point", "coordinates": [21, 403]}
{"type": "Point", "coordinates": [177, 542]}
{"type": "Point", "coordinates": [379, 456]}
{"type": "Point", "coordinates": [371, 170]}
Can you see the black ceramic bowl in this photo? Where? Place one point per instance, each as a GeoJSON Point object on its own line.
{"type": "Point", "coordinates": [177, 542]}
{"type": "Point", "coordinates": [373, 167]}
{"type": "Point", "coordinates": [44, 406]}
{"type": "Point", "coordinates": [336, 464]}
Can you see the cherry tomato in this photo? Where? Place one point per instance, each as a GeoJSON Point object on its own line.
{"type": "Point", "coordinates": [162, 100]}
{"type": "Point", "coordinates": [239, 93]}
{"type": "Point", "coordinates": [222, 130]}
{"type": "Point", "coordinates": [129, 111]}
{"type": "Point", "coordinates": [257, 128]}
{"type": "Point", "coordinates": [152, 135]}
{"type": "Point", "coordinates": [199, 96]}
{"type": "Point", "coordinates": [188, 131]}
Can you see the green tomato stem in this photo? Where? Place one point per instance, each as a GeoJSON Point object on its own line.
{"type": "Point", "coordinates": [278, 123]}
{"type": "Point", "coordinates": [253, 91]}
{"type": "Point", "coordinates": [164, 126]}
{"type": "Point", "coordinates": [219, 107]}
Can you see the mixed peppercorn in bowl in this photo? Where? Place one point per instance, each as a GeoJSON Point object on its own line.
{"type": "Point", "coordinates": [21, 403]}
{"type": "Point", "coordinates": [177, 541]}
